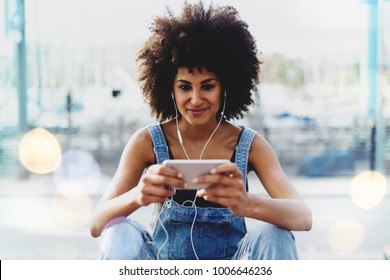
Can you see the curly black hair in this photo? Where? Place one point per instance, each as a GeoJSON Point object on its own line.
{"type": "Point", "coordinates": [216, 39]}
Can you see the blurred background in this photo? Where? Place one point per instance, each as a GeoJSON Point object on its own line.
{"type": "Point", "coordinates": [69, 101]}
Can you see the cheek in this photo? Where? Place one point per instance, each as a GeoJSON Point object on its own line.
{"type": "Point", "coordinates": [182, 101]}
{"type": "Point", "coordinates": [218, 102]}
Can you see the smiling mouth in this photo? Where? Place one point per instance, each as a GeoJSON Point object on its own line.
{"type": "Point", "coordinates": [197, 112]}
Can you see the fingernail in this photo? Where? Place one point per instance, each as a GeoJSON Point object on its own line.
{"type": "Point", "coordinates": [212, 171]}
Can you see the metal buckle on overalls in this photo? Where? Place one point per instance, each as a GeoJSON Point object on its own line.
{"type": "Point", "coordinates": [168, 204]}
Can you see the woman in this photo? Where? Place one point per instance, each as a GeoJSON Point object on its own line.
{"type": "Point", "coordinates": [197, 72]}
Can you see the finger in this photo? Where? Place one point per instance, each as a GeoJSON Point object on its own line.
{"type": "Point", "coordinates": [226, 201]}
{"type": "Point", "coordinates": [216, 191]}
{"type": "Point", "coordinates": [154, 194]}
{"type": "Point", "coordinates": [157, 191]}
{"type": "Point", "coordinates": [231, 169]}
{"type": "Point", "coordinates": [146, 200]}
{"type": "Point", "coordinates": [164, 170]}
{"type": "Point", "coordinates": [164, 180]}
{"type": "Point", "coordinates": [220, 180]}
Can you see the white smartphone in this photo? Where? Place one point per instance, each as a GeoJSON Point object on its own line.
{"type": "Point", "coordinates": [194, 168]}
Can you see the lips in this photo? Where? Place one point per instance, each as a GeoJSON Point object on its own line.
{"type": "Point", "coordinates": [196, 112]}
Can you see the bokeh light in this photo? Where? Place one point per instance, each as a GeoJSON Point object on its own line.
{"type": "Point", "coordinates": [368, 189]}
{"type": "Point", "coordinates": [25, 213]}
{"type": "Point", "coordinates": [71, 205]}
{"type": "Point", "coordinates": [79, 166]}
{"type": "Point", "coordinates": [39, 151]}
{"type": "Point", "coordinates": [345, 236]}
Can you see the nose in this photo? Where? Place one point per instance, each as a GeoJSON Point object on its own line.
{"type": "Point", "coordinates": [196, 98]}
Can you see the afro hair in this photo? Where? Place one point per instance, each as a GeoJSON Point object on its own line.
{"type": "Point", "coordinates": [214, 38]}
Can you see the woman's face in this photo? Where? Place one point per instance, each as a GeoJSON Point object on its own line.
{"type": "Point", "coordinates": [197, 95]}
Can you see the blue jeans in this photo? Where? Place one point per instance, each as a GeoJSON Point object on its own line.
{"type": "Point", "coordinates": [215, 234]}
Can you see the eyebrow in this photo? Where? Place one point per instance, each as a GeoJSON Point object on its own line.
{"type": "Point", "coordinates": [202, 82]}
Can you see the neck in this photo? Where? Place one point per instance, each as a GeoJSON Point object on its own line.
{"type": "Point", "coordinates": [199, 133]}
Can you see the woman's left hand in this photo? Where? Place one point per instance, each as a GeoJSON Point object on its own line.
{"type": "Point", "coordinates": [227, 188]}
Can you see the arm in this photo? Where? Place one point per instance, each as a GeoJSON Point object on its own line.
{"type": "Point", "coordinates": [284, 207]}
{"type": "Point", "coordinates": [130, 189]}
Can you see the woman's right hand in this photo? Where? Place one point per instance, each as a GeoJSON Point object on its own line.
{"type": "Point", "coordinates": [157, 184]}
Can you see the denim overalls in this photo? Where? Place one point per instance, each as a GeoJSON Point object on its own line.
{"type": "Point", "coordinates": [190, 232]}
{"type": "Point", "coordinates": [193, 232]}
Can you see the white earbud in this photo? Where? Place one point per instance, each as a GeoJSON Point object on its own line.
{"type": "Point", "coordinates": [174, 104]}
{"type": "Point", "coordinates": [177, 116]}
{"type": "Point", "coordinates": [224, 104]}
{"type": "Point", "coordinates": [179, 136]}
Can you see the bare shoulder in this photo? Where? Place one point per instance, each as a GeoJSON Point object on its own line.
{"type": "Point", "coordinates": [261, 152]}
{"type": "Point", "coordinates": [141, 135]}
{"type": "Point", "coordinates": [232, 129]}
{"type": "Point", "coordinates": [140, 146]}
{"type": "Point", "coordinates": [260, 143]}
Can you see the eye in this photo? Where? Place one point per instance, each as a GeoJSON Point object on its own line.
{"type": "Point", "coordinates": [185, 87]}
{"type": "Point", "coordinates": [208, 87]}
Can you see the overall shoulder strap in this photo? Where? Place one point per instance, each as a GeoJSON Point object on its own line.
{"type": "Point", "coordinates": [242, 151]}
{"type": "Point", "coordinates": [160, 147]}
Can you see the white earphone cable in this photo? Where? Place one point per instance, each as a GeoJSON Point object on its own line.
{"type": "Point", "coordinates": [212, 134]}
{"type": "Point", "coordinates": [193, 202]}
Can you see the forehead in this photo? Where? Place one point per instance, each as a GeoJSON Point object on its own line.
{"type": "Point", "coordinates": [184, 73]}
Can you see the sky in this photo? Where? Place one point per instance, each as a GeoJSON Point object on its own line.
{"type": "Point", "coordinates": [295, 28]}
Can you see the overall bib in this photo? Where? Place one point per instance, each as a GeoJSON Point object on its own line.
{"type": "Point", "coordinates": [192, 232]}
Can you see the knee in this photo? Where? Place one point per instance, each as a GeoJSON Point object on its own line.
{"type": "Point", "coordinates": [121, 239]}
{"type": "Point", "coordinates": [269, 232]}
{"type": "Point", "coordinates": [267, 241]}
{"type": "Point", "coordinates": [121, 230]}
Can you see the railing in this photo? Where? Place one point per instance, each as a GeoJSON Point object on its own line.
{"type": "Point", "coordinates": [292, 145]}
